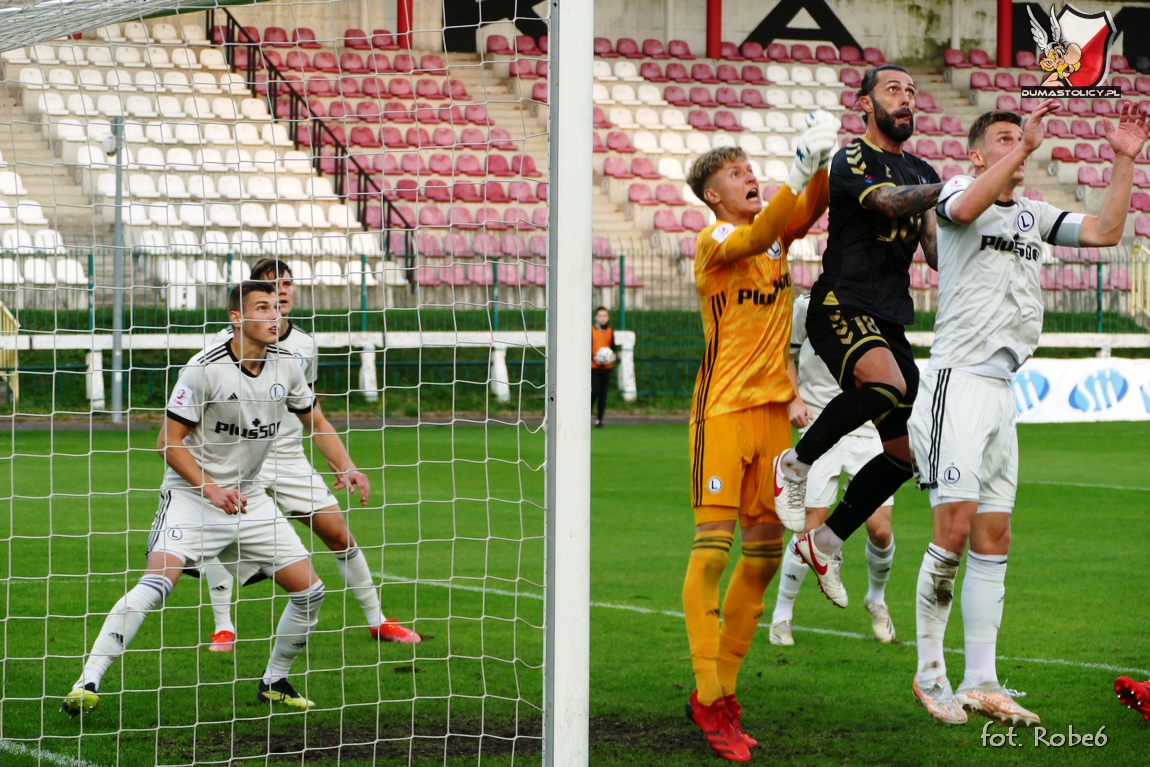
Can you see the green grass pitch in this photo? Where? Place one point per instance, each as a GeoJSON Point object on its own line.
{"type": "Point", "coordinates": [455, 528]}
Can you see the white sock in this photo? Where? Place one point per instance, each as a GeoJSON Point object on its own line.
{"type": "Point", "coordinates": [793, 466]}
{"type": "Point", "coordinates": [296, 624]}
{"type": "Point", "coordinates": [791, 575]}
{"type": "Point", "coordinates": [122, 624]}
{"type": "Point", "coordinates": [826, 541]}
{"type": "Point", "coordinates": [878, 564]}
{"type": "Point", "coordinates": [983, 595]}
{"type": "Point", "coordinates": [935, 594]}
{"type": "Point", "coordinates": [353, 567]}
{"type": "Point", "coordinates": [219, 582]}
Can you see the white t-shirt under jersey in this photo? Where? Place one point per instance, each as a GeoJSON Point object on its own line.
{"type": "Point", "coordinates": [235, 415]}
{"type": "Point", "coordinates": [817, 386]}
{"type": "Point", "coordinates": [301, 347]}
{"type": "Point", "coordinates": [989, 298]}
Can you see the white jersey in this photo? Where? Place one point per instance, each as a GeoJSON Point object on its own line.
{"type": "Point", "coordinates": [234, 415]}
{"type": "Point", "coordinates": [817, 386]}
{"type": "Point", "coordinates": [989, 297]}
{"type": "Point", "coordinates": [300, 346]}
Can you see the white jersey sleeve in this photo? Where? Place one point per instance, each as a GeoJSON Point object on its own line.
{"type": "Point", "coordinates": [186, 404]}
{"type": "Point", "coordinates": [799, 322]}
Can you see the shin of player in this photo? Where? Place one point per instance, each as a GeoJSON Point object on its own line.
{"type": "Point", "coordinates": [881, 204]}
{"type": "Point", "coordinates": [299, 490]}
{"type": "Point", "coordinates": [963, 427]}
{"type": "Point", "coordinates": [738, 417]}
{"type": "Point", "coordinates": [223, 413]}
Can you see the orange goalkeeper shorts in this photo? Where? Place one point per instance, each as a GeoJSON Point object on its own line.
{"type": "Point", "coordinates": [731, 458]}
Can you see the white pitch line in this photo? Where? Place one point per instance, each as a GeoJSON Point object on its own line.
{"type": "Point", "coordinates": [42, 756]}
{"type": "Point", "coordinates": [1084, 484]}
{"type": "Point", "coordinates": [810, 629]}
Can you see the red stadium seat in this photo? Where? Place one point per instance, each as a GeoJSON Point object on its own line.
{"type": "Point", "coordinates": [524, 165]}
{"type": "Point", "coordinates": [825, 54]}
{"type": "Point", "coordinates": [666, 221]}
{"type": "Point", "coordinates": [525, 45]}
{"type": "Point", "coordinates": [1026, 60]}
{"type": "Point", "coordinates": [1056, 128]}
{"type": "Point", "coordinates": [1006, 104]}
{"type": "Point", "coordinates": [727, 97]}
{"type": "Point", "coordinates": [851, 55]}
{"type": "Point", "coordinates": [752, 74]}
{"type": "Point", "coordinates": [462, 191]}
{"type": "Point", "coordinates": [850, 77]}
{"type": "Point", "coordinates": [1088, 176]}
{"type": "Point", "coordinates": [700, 120]}
{"type": "Point", "coordinates": [980, 81]}
{"type": "Point", "coordinates": [753, 98]}
{"type": "Point", "coordinates": [652, 72]}
{"type": "Point", "coordinates": [951, 126]}
{"type": "Point", "coordinates": [702, 73]}
{"type": "Point", "coordinates": [953, 57]}
{"type": "Point", "coordinates": [1118, 63]}
{"type": "Point", "coordinates": [874, 56]}
{"type": "Point", "coordinates": [640, 194]}
{"type": "Point", "coordinates": [678, 73]}
{"type": "Point", "coordinates": [924, 102]}
{"type": "Point", "coordinates": [694, 220]}
{"type": "Point", "coordinates": [304, 37]}
{"type": "Point", "coordinates": [276, 37]}
{"type": "Point", "coordinates": [680, 50]}
{"type": "Point", "coordinates": [730, 52]}
{"type": "Point", "coordinates": [356, 39]}
{"type": "Point", "coordinates": [668, 194]}
{"type": "Point", "coordinates": [801, 52]}
{"type": "Point", "coordinates": [701, 96]}
{"type": "Point", "coordinates": [500, 138]}
{"type": "Point", "coordinates": [1004, 81]}
{"type": "Point", "coordinates": [498, 45]}
{"type": "Point", "coordinates": [1027, 80]}
{"type": "Point", "coordinates": [383, 40]}
{"type": "Point", "coordinates": [928, 149]}
{"type": "Point", "coordinates": [981, 59]}
{"type": "Point", "coordinates": [600, 119]}
{"type": "Point", "coordinates": [927, 126]}
{"type": "Point", "coordinates": [953, 150]}
{"type": "Point", "coordinates": [727, 74]}
{"type": "Point", "coordinates": [498, 166]}
{"type": "Point", "coordinates": [604, 49]}
{"type": "Point", "coordinates": [1084, 152]}
{"type": "Point", "coordinates": [725, 120]}
{"type": "Point", "coordinates": [778, 52]}
{"type": "Point", "coordinates": [676, 96]}
{"type": "Point", "coordinates": [753, 51]}
{"type": "Point", "coordinates": [379, 63]}
{"type": "Point", "coordinates": [628, 48]}
{"type": "Point", "coordinates": [653, 49]}
{"type": "Point", "coordinates": [1081, 129]}
{"type": "Point", "coordinates": [642, 167]}
{"type": "Point", "coordinates": [617, 141]}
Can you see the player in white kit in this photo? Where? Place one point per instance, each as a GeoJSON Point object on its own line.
{"type": "Point", "coordinates": [299, 490]}
{"type": "Point", "coordinates": [962, 426]}
{"type": "Point", "coordinates": [814, 387]}
{"type": "Point", "coordinates": [228, 404]}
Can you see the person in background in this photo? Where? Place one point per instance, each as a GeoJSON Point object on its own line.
{"type": "Point", "coordinates": [602, 361]}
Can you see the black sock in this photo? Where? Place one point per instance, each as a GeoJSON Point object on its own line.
{"type": "Point", "coordinates": [876, 481]}
{"type": "Point", "coordinates": [844, 414]}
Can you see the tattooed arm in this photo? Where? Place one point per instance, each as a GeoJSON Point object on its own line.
{"type": "Point", "coordinates": [929, 239]}
{"type": "Point", "coordinates": [902, 201]}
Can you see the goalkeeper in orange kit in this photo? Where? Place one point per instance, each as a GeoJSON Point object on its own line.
{"type": "Point", "coordinates": [739, 419]}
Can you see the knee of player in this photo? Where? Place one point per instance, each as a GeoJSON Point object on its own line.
{"type": "Point", "coordinates": [952, 533]}
{"type": "Point", "coordinates": [880, 535]}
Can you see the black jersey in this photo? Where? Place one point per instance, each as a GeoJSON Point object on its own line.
{"type": "Point", "coordinates": [868, 254]}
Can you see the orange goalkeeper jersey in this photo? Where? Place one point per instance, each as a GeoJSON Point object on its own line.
{"type": "Point", "coordinates": [746, 301]}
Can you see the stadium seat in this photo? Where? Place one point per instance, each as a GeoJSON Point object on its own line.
{"type": "Point", "coordinates": [677, 72]}
{"type": "Point", "coordinates": [730, 52]}
{"type": "Point", "coordinates": [924, 102]}
{"type": "Point", "coordinates": [951, 126]}
{"type": "Point", "coordinates": [679, 49]}
{"type": "Point", "coordinates": [604, 48]}
{"type": "Point", "coordinates": [653, 49]}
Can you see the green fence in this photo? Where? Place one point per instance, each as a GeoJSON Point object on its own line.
{"type": "Point", "coordinates": [650, 290]}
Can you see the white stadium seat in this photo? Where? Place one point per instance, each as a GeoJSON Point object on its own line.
{"type": "Point", "coordinates": [312, 216]}
{"type": "Point", "coordinates": [672, 142]}
{"type": "Point", "coordinates": [777, 74]}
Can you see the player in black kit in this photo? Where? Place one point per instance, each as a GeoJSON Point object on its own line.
{"type": "Point", "coordinates": [881, 208]}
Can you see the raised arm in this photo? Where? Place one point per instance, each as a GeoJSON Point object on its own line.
{"type": "Point", "coordinates": [1127, 139]}
{"type": "Point", "coordinates": [325, 438]}
{"type": "Point", "coordinates": [170, 444]}
{"type": "Point", "coordinates": [746, 241]}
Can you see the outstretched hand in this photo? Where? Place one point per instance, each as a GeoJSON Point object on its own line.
{"type": "Point", "coordinates": [1032, 129]}
{"type": "Point", "coordinates": [1130, 136]}
{"type": "Point", "coordinates": [354, 479]}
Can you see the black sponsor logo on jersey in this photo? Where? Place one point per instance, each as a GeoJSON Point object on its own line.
{"type": "Point", "coordinates": [760, 298]}
{"type": "Point", "coordinates": [1010, 245]}
{"type": "Point", "coordinates": [258, 430]}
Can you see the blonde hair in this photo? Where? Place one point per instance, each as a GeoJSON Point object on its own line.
{"type": "Point", "coordinates": [708, 165]}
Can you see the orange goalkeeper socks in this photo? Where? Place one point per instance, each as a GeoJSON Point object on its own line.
{"type": "Point", "coordinates": [701, 609]}
{"type": "Point", "coordinates": [743, 606]}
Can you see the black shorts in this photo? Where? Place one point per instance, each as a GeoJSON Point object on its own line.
{"type": "Point", "coordinates": [841, 334]}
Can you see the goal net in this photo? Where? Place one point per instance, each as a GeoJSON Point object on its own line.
{"type": "Point", "coordinates": [396, 157]}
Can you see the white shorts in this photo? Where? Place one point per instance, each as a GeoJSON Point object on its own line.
{"type": "Point", "coordinates": [253, 546]}
{"type": "Point", "coordinates": [295, 486]}
{"type": "Point", "coordinates": [963, 439]}
{"type": "Point", "coordinates": [847, 456]}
